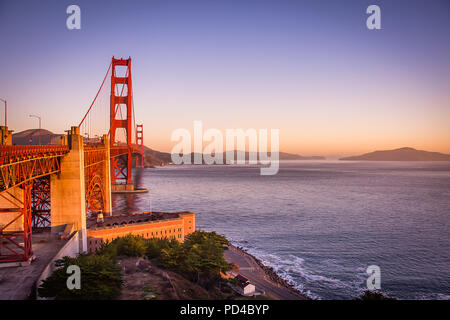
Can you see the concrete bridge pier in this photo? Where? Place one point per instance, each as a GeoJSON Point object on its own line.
{"type": "Point", "coordinates": [67, 190]}
{"type": "Point", "coordinates": [6, 136]}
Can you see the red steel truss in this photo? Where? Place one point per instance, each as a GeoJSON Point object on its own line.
{"type": "Point", "coordinates": [17, 245]}
{"type": "Point", "coordinates": [41, 202]}
{"type": "Point", "coordinates": [94, 156]}
{"type": "Point", "coordinates": [19, 164]}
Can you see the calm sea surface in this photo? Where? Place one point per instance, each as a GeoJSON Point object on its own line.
{"type": "Point", "coordinates": [321, 224]}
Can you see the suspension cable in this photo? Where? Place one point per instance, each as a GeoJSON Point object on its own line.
{"type": "Point", "coordinates": [107, 72]}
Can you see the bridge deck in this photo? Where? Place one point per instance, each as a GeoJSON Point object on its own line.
{"type": "Point", "coordinates": [9, 154]}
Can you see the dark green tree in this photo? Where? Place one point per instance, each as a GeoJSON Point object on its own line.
{"type": "Point", "coordinates": [101, 279]}
{"type": "Point", "coordinates": [129, 245]}
{"type": "Point", "coordinates": [199, 258]}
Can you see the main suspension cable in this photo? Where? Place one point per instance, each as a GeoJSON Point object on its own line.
{"type": "Point", "coordinates": [106, 75]}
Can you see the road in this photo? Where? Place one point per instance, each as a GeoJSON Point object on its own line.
{"type": "Point", "coordinates": [251, 270]}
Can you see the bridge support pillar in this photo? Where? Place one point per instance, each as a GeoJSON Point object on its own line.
{"type": "Point", "coordinates": [67, 190]}
{"type": "Point", "coordinates": [6, 136]}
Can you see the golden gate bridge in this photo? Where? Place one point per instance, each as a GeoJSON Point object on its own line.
{"type": "Point", "coordinates": [53, 185]}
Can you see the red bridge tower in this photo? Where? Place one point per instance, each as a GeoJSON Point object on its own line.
{"type": "Point", "coordinates": [121, 153]}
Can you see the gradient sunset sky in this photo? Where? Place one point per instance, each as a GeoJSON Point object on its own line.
{"type": "Point", "coordinates": [309, 68]}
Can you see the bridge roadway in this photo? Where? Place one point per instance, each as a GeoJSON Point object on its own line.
{"type": "Point", "coordinates": [19, 164]}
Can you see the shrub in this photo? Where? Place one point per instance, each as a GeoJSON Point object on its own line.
{"type": "Point", "coordinates": [150, 293]}
{"type": "Point", "coordinates": [201, 236]}
{"type": "Point", "coordinates": [101, 279]}
{"type": "Point", "coordinates": [132, 246]}
{"type": "Point", "coordinates": [156, 246]}
{"type": "Point", "coordinates": [199, 258]}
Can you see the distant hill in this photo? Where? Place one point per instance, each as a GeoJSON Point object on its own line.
{"type": "Point", "coordinates": [402, 154]}
{"type": "Point", "coordinates": [291, 156]}
{"type": "Point", "coordinates": [155, 158]}
{"type": "Point", "coordinates": [282, 156]}
{"type": "Point", "coordinates": [31, 136]}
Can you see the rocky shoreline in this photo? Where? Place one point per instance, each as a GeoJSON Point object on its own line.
{"type": "Point", "coordinates": [273, 276]}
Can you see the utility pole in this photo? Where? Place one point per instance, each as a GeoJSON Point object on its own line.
{"type": "Point", "coordinates": [39, 133]}
{"type": "Point", "coordinates": [6, 108]}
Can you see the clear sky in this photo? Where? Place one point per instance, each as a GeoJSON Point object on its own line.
{"type": "Point", "coordinates": [309, 68]}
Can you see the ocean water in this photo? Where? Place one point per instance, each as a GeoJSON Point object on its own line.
{"type": "Point", "coordinates": [320, 224]}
